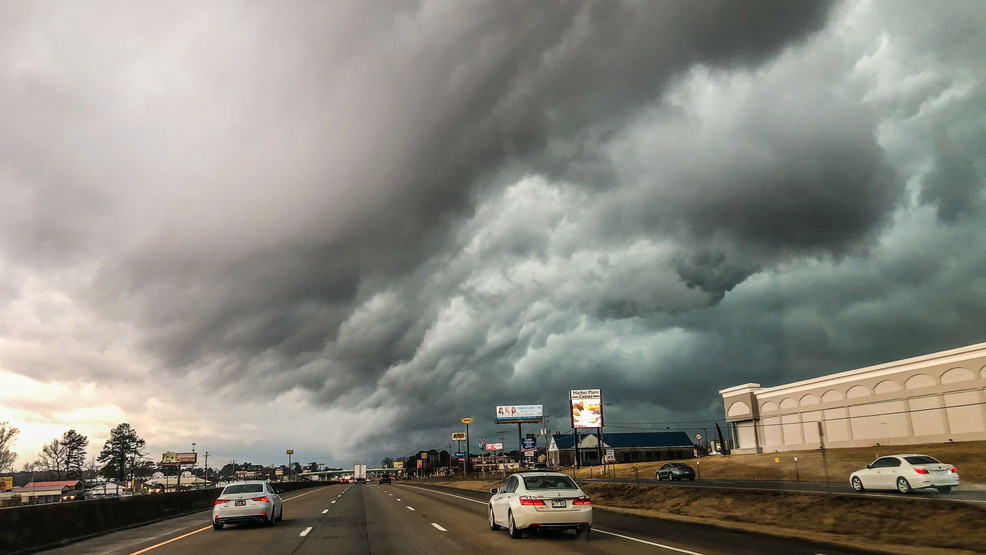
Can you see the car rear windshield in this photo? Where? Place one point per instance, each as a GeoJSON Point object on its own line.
{"type": "Point", "coordinates": [245, 488]}
{"type": "Point", "coordinates": [921, 459]}
{"type": "Point", "coordinates": [549, 482]}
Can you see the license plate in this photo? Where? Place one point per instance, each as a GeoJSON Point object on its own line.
{"type": "Point", "coordinates": [240, 502]}
{"type": "Point", "coordinates": [558, 503]}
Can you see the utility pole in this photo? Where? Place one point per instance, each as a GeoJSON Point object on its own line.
{"type": "Point", "coordinates": [503, 466]}
{"type": "Point", "coordinates": [206, 485]}
{"type": "Point", "coordinates": [482, 441]}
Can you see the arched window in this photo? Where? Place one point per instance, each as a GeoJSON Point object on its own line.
{"type": "Point", "coordinates": [809, 399]}
{"type": "Point", "coordinates": [957, 375]}
{"type": "Point", "coordinates": [857, 391]}
{"type": "Point", "coordinates": [886, 386]}
{"type": "Point", "coordinates": [738, 408]}
{"type": "Point", "coordinates": [832, 395]}
{"type": "Point", "coordinates": [919, 380]}
{"type": "Point", "coordinates": [769, 406]}
{"type": "Point", "coordinates": [789, 403]}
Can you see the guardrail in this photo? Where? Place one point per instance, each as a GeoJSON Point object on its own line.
{"type": "Point", "coordinates": [34, 528]}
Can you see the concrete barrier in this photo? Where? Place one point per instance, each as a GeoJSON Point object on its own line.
{"type": "Point", "coordinates": [36, 527]}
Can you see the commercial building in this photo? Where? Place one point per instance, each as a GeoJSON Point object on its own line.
{"type": "Point", "coordinates": [927, 399]}
{"type": "Point", "coordinates": [627, 447]}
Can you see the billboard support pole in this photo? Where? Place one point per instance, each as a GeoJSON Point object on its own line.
{"type": "Point", "coordinates": [520, 447]}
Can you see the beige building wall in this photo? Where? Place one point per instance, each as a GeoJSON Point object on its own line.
{"type": "Point", "coordinates": [932, 398]}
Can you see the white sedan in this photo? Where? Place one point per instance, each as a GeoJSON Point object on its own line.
{"type": "Point", "coordinates": [533, 500]}
{"type": "Point", "coordinates": [905, 473]}
{"type": "Point", "coordinates": [253, 501]}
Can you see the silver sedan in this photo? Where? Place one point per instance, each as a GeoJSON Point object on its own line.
{"type": "Point", "coordinates": [905, 473]}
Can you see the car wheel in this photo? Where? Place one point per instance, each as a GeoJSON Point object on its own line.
{"type": "Point", "coordinates": [582, 532]}
{"type": "Point", "coordinates": [856, 483]}
{"type": "Point", "coordinates": [658, 476]}
{"type": "Point", "coordinates": [515, 532]}
{"type": "Point", "coordinates": [903, 485]}
{"type": "Point", "coordinates": [270, 521]}
{"type": "Point", "coordinates": [280, 515]}
{"type": "Point", "coordinates": [943, 489]}
{"type": "Point", "coordinates": [493, 525]}
{"type": "Point", "coordinates": [672, 477]}
{"type": "Point", "coordinates": [217, 525]}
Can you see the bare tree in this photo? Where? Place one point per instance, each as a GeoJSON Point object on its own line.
{"type": "Point", "coordinates": [8, 434]}
{"type": "Point", "coordinates": [52, 458]}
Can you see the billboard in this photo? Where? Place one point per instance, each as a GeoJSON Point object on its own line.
{"type": "Point", "coordinates": [458, 436]}
{"type": "Point", "coordinates": [398, 464]}
{"type": "Point", "coordinates": [493, 447]}
{"type": "Point", "coordinates": [6, 483]}
{"type": "Point", "coordinates": [519, 413]}
{"type": "Point", "coordinates": [587, 408]}
{"type": "Point", "coordinates": [170, 457]}
{"type": "Point", "coordinates": [528, 444]}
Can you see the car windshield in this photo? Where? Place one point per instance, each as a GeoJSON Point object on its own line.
{"type": "Point", "coordinates": [549, 482]}
{"type": "Point", "coordinates": [244, 488]}
{"type": "Point", "coordinates": [921, 459]}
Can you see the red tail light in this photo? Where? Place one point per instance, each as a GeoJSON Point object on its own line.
{"type": "Point", "coordinates": [525, 500]}
{"type": "Point", "coordinates": [581, 501]}
{"type": "Point", "coordinates": [921, 470]}
{"type": "Point", "coordinates": [221, 501]}
{"type": "Point", "coordinates": [955, 470]}
{"type": "Point", "coordinates": [264, 499]}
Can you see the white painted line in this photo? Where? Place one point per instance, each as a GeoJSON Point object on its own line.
{"type": "Point", "coordinates": [305, 533]}
{"type": "Point", "coordinates": [333, 501]}
{"type": "Point", "coordinates": [325, 511]}
{"type": "Point", "coordinates": [398, 498]}
{"type": "Point", "coordinates": [595, 530]}
{"type": "Point", "coordinates": [410, 508]}
{"type": "Point", "coordinates": [435, 524]}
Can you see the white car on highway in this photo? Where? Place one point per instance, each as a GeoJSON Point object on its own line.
{"type": "Point", "coordinates": [253, 501]}
{"type": "Point", "coordinates": [534, 500]}
{"type": "Point", "coordinates": [905, 473]}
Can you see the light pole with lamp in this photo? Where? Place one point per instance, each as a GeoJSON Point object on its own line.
{"type": "Point", "coordinates": [467, 421]}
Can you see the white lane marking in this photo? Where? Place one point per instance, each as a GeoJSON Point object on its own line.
{"type": "Point", "coordinates": [596, 530]}
{"type": "Point", "coordinates": [325, 511]}
{"type": "Point", "coordinates": [398, 498]}
{"type": "Point", "coordinates": [410, 507]}
{"type": "Point", "coordinates": [340, 495]}
{"type": "Point", "coordinates": [333, 501]}
{"type": "Point", "coordinates": [305, 533]}
{"type": "Point", "coordinates": [435, 524]}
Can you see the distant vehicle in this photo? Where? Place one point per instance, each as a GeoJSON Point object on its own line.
{"type": "Point", "coordinates": [905, 473]}
{"type": "Point", "coordinates": [344, 480]}
{"type": "Point", "coordinates": [385, 479]}
{"type": "Point", "coordinates": [535, 500]}
{"type": "Point", "coordinates": [253, 501]}
{"type": "Point", "coordinates": [74, 495]}
{"type": "Point", "coordinates": [359, 474]}
{"type": "Point", "coordinates": [155, 489]}
{"type": "Point", "coordinates": [676, 471]}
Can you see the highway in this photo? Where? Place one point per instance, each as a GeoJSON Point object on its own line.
{"type": "Point", "coordinates": [409, 518]}
{"type": "Point", "coordinates": [965, 493]}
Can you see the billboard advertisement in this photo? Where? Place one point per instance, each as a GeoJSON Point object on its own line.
{"type": "Point", "coordinates": [170, 457]}
{"type": "Point", "coordinates": [587, 408]}
{"type": "Point", "coordinates": [6, 483]}
{"type": "Point", "coordinates": [398, 464]}
{"type": "Point", "coordinates": [519, 413]}
{"type": "Point", "coordinates": [493, 447]}
{"type": "Point", "coordinates": [458, 436]}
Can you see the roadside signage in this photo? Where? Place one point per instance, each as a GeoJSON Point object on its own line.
{"type": "Point", "coordinates": [587, 408]}
{"type": "Point", "coordinates": [493, 447]}
{"type": "Point", "coordinates": [528, 444]}
{"type": "Point", "coordinates": [289, 452]}
{"type": "Point", "coordinates": [279, 472]}
{"type": "Point", "coordinates": [172, 458]}
{"type": "Point", "coordinates": [458, 436]}
{"type": "Point", "coordinates": [519, 414]}
{"type": "Point", "coordinates": [467, 420]}
{"type": "Point", "coordinates": [398, 464]}
{"type": "Point", "coordinates": [460, 455]}
{"type": "Point", "coordinates": [419, 464]}
{"type": "Point", "coordinates": [6, 483]}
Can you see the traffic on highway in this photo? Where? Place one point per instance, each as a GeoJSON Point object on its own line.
{"type": "Point", "coordinates": [411, 518]}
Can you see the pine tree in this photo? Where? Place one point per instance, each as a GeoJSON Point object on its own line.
{"type": "Point", "coordinates": [121, 452]}
{"type": "Point", "coordinates": [75, 453]}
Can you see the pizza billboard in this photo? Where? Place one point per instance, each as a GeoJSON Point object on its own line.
{"type": "Point", "coordinates": [506, 414]}
{"type": "Point", "coordinates": [587, 408]}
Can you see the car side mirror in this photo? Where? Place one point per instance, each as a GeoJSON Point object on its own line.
{"type": "Point", "coordinates": [868, 467]}
{"type": "Point", "coordinates": [493, 490]}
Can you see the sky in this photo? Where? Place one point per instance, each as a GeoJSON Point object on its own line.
{"type": "Point", "coordinates": [341, 227]}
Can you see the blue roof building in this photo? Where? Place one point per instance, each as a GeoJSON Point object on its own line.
{"type": "Point", "coordinates": [627, 447]}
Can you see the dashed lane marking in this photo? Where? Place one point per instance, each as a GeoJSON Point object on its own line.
{"type": "Point", "coordinates": [436, 525]}
{"type": "Point", "coordinates": [410, 508]}
{"type": "Point", "coordinates": [305, 533]}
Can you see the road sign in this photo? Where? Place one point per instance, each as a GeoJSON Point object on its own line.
{"type": "Point", "coordinates": [698, 436]}
{"type": "Point", "coordinates": [528, 444]}
{"type": "Point", "coordinates": [289, 452]}
{"type": "Point", "coordinates": [467, 420]}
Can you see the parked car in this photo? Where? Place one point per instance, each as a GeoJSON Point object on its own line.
{"type": "Point", "coordinates": [534, 500]}
{"type": "Point", "coordinates": [676, 471]}
{"type": "Point", "coordinates": [252, 501]}
{"type": "Point", "coordinates": [905, 473]}
{"type": "Point", "coordinates": [384, 479]}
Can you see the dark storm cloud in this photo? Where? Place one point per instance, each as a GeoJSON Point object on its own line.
{"type": "Point", "coordinates": [416, 210]}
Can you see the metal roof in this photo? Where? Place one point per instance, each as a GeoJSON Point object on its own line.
{"type": "Point", "coordinates": [630, 440]}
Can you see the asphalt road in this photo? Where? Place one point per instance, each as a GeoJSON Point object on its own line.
{"type": "Point", "coordinates": [407, 518]}
{"type": "Point", "coordinates": [966, 493]}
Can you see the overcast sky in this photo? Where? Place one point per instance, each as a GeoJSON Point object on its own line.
{"type": "Point", "coordinates": [340, 227]}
